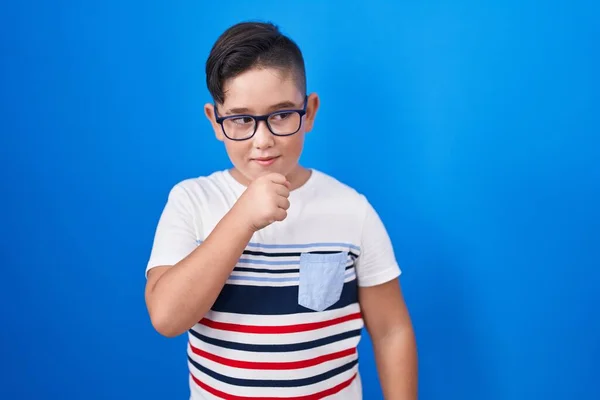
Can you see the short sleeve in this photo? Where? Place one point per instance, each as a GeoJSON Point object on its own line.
{"type": "Point", "coordinates": [176, 233]}
{"type": "Point", "coordinates": [376, 263]}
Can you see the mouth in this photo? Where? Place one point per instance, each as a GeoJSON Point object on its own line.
{"type": "Point", "coordinates": [265, 161]}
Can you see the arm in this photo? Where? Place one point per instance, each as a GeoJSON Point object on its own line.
{"type": "Point", "coordinates": [179, 296]}
{"type": "Point", "coordinates": [183, 279]}
{"type": "Point", "coordinates": [384, 311]}
{"type": "Point", "coordinates": [388, 322]}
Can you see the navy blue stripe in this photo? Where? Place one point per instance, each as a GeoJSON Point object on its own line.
{"type": "Point", "coordinates": [275, 271]}
{"type": "Point", "coordinates": [293, 254]}
{"type": "Point", "coordinates": [270, 300]}
{"type": "Point", "coordinates": [276, 348]}
{"type": "Point", "coordinates": [275, 383]}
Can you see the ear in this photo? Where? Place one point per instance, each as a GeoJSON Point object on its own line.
{"type": "Point", "coordinates": [209, 111]}
{"type": "Point", "coordinates": [312, 107]}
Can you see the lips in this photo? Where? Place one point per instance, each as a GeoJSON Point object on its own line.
{"type": "Point", "coordinates": [265, 161]}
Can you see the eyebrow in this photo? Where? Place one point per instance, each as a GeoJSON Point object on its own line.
{"type": "Point", "coordinates": [278, 106]}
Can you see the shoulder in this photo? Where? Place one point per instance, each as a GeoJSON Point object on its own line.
{"type": "Point", "coordinates": [335, 185]}
{"type": "Point", "coordinates": [217, 181]}
{"type": "Point", "coordinates": [204, 189]}
{"type": "Point", "coordinates": [341, 193]}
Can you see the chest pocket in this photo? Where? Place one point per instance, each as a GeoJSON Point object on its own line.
{"type": "Point", "coordinates": [321, 279]}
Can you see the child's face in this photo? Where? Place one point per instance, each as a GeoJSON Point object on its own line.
{"type": "Point", "coordinates": [258, 92]}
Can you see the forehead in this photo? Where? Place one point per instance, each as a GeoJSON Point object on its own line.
{"type": "Point", "coordinates": [259, 88]}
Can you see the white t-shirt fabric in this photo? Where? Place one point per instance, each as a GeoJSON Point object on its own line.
{"type": "Point", "coordinates": [287, 322]}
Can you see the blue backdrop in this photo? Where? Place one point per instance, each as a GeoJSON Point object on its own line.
{"type": "Point", "coordinates": [473, 127]}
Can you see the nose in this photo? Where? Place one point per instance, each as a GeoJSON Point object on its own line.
{"type": "Point", "coordinates": [263, 138]}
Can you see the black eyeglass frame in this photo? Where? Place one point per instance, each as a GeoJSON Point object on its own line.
{"type": "Point", "coordinates": [258, 118]}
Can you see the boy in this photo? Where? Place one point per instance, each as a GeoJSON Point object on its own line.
{"type": "Point", "coordinates": [273, 268]}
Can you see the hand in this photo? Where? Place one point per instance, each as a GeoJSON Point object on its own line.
{"type": "Point", "coordinates": [264, 201]}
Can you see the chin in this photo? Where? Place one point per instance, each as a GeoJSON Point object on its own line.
{"type": "Point", "coordinates": [260, 169]}
{"type": "Point", "coordinates": [252, 170]}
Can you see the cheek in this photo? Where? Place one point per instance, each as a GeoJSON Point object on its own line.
{"type": "Point", "coordinates": [293, 147]}
{"type": "Point", "coordinates": [235, 150]}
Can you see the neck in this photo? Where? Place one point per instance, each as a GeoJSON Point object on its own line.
{"type": "Point", "coordinates": [298, 176]}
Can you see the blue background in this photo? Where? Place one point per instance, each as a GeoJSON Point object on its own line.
{"type": "Point", "coordinates": [472, 126]}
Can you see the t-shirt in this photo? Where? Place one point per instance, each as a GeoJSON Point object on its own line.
{"type": "Point", "coordinates": [287, 322]}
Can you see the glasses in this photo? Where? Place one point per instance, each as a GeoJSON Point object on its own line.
{"type": "Point", "coordinates": [280, 123]}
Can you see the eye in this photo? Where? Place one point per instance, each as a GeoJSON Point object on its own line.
{"type": "Point", "coordinates": [283, 115]}
{"type": "Point", "coordinates": [241, 120]}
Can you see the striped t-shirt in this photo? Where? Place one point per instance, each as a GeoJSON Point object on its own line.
{"type": "Point", "coordinates": [287, 323]}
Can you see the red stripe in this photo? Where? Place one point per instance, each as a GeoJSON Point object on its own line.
{"type": "Point", "coordinates": [314, 396]}
{"type": "Point", "coordinates": [273, 365]}
{"type": "Point", "coordinates": [277, 329]}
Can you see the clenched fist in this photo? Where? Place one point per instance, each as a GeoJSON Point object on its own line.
{"type": "Point", "coordinates": [264, 201]}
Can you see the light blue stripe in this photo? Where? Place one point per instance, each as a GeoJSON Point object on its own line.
{"type": "Point", "coordinates": [349, 273]}
{"type": "Point", "coordinates": [299, 246]}
{"type": "Point", "coordinates": [303, 246]}
{"type": "Point", "coordinates": [262, 262]}
{"type": "Point", "coordinates": [266, 262]}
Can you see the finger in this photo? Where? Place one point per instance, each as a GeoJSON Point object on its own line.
{"type": "Point", "coordinates": [280, 214]}
{"type": "Point", "coordinates": [277, 178]}
{"type": "Point", "coordinates": [283, 203]}
{"type": "Point", "coordinates": [282, 191]}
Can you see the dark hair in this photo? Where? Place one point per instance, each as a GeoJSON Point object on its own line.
{"type": "Point", "coordinates": [247, 45]}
